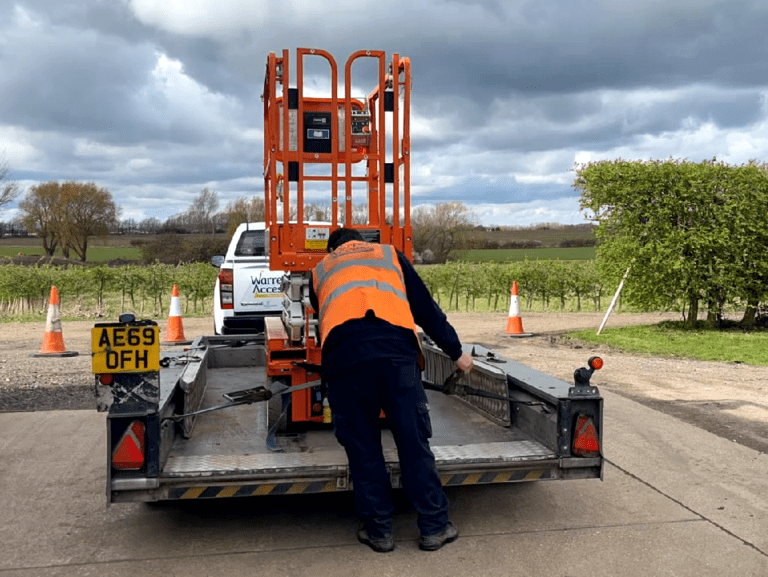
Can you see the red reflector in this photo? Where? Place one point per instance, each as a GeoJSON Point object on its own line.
{"type": "Point", "coordinates": [106, 378]}
{"type": "Point", "coordinates": [596, 363]}
{"type": "Point", "coordinates": [585, 443]}
{"type": "Point", "coordinates": [129, 453]}
{"type": "Point", "coordinates": [226, 276]}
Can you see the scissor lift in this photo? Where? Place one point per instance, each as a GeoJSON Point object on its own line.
{"type": "Point", "coordinates": [354, 150]}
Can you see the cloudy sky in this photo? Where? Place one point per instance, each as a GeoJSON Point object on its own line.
{"type": "Point", "coordinates": [155, 100]}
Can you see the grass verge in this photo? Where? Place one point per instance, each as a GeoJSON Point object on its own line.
{"type": "Point", "coordinates": [95, 253]}
{"type": "Point", "coordinates": [671, 339]}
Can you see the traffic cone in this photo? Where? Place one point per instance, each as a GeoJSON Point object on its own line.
{"type": "Point", "coordinates": [53, 339]}
{"type": "Point", "coordinates": [174, 331]}
{"type": "Point", "coordinates": [514, 322]}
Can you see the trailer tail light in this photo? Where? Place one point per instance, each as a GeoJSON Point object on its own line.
{"type": "Point", "coordinates": [585, 441]}
{"type": "Point", "coordinates": [226, 288]}
{"type": "Point", "coordinates": [129, 452]}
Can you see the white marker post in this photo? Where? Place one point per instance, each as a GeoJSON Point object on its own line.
{"type": "Point", "coordinates": [613, 302]}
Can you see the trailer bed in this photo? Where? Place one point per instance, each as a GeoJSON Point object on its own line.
{"type": "Point", "coordinates": [230, 445]}
{"type": "Point", "coordinates": [225, 453]}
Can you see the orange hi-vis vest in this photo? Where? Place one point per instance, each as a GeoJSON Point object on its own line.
{"type": "Point", "coordinates": [358, 277]}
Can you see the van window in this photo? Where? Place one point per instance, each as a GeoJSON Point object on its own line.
{"type": "Point", "coordinates": [251, 243]}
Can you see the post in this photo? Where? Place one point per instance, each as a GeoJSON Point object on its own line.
{"type": "Point", "coordinates": [613, 302]}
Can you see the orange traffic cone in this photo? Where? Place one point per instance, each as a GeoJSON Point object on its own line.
{"type": "Point", "coordinates": [174, 332]}
{"type": "Point", "coordinates": [514, 322]}
{"type": "Point", "coordinates": [53, 339]}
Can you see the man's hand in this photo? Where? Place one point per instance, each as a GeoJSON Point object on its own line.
{"type": "Point", "coordinates": [465, 362]}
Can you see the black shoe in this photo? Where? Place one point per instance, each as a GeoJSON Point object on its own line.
{"type": "Point", "coordinates": [434, 542]}
{"type": "Point", "coordinates": [379, 544]}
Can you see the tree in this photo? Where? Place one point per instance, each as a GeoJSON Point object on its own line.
{"type": "Point", "coordinates": [89, 211]}
{"type": "Point", "coordinates": [126, 226]}
{"type": "Point", "coordinates": [441, 228]}
{"type": "Point", "coordinates": [244, 210]}
{"type": "Point", "coordinates": [150, 225]}
{"type": "Point", "coordinates": [8, 189]}
{"type": "Point", "coordinates": [695, 231]}
{"type": "Point", "coordinates": [40, 214]}
{"type": "Point", "coordinates": [203, 208]}
{"type": "Point", "coordinates": [67, 215]}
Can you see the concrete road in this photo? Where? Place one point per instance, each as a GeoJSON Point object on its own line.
{"type": "Point", "coordinates": [676, 500]}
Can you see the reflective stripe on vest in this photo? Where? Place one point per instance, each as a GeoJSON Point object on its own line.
{"type": "Point", "coordinates": [358, 277]}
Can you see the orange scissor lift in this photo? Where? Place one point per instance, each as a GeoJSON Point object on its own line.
{"type": "Point", "coordinates": [351, 151]}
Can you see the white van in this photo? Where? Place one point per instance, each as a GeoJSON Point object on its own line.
{"type": "Point", "coordinates": [246, 290]}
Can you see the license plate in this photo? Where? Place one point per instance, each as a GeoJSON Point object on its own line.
{"type": "Point", "coordinates": [119, 348]}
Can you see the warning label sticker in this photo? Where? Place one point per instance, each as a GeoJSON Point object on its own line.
{"type": "Point", "coordinates": [316, 238]}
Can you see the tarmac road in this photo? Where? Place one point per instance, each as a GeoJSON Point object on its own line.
{"type": "Point", "coordinates": [676, 500]}
{"type": "Point", "coordinates": [680, 497]}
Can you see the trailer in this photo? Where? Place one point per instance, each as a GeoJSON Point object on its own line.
{"type": "Point", "coordinates": [198, 426]}
{"type": "Point", "coordinates": [245, 415]}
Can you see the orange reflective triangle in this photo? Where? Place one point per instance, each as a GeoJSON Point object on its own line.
{"type": "Point", "coordinates": [585, 442]}
{"type": "Point", "coordinates": [129, 453]}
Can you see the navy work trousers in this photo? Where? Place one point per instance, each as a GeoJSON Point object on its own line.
{"type": "Point", "coordinates": [357, 395]}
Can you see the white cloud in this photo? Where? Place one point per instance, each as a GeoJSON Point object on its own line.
{"type": "Point", "coordinates": [16, 145]}
{"type": "Point", "coordinates": [174, 100]}
{"type": "Point", "coordinates": [24, 19]}
{"type": "Point", "coordinates": [89, 148]}
{"type": "Point", "coordinates": [564, 211]}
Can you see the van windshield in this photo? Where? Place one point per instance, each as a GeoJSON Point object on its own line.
{"type": "Point", "coordinates": [251, 243]}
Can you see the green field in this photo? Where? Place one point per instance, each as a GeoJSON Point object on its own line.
{"type": "Point", "coordinates": [95, 254]}
{"type": "Point", "coordinates": [518, 254]}
{"type": "Point", "coordinates": [547, 235]}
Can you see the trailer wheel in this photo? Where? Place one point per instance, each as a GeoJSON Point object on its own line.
{"type": "Point", "coordinates": [275, 409]}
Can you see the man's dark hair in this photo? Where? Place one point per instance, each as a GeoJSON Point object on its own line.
{"type": "Point", "coordinates": [342, 235]}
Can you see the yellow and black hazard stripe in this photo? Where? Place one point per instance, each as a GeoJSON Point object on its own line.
{"type": "Point", "coordinates": [449, 480]}
{"type": "Point", "coordinates": [327, 486]}
{"type": "Point", "coordinates": [221, 491]}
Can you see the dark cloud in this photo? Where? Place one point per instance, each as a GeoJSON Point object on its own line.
{"type": "Point", "coordinates": [156, 101]}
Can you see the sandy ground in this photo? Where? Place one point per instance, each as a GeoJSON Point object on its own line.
{"type": "Point", "coordinates": [730, 400]}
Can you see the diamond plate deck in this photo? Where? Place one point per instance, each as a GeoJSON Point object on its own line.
{"type": "Point", "coordinates": [325, 461]}
{"type": "Point", "coordinates": [253, 464]}
{"type": "Point", "coordinates": [231, 443]}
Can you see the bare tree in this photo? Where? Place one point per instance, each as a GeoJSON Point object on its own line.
{"type": "Point", "coordinates": [441, 228]}
{"type": "Point", "coordinates": [318, 212]}
{"type": "Point", "coordinates": [8, 189]}
{"type": "Point", "coordinates": [150, 225]}
{"type": "Point", "coordinates": [244, 210]}
{"type": "Point", "coordinates": [203, 208]}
